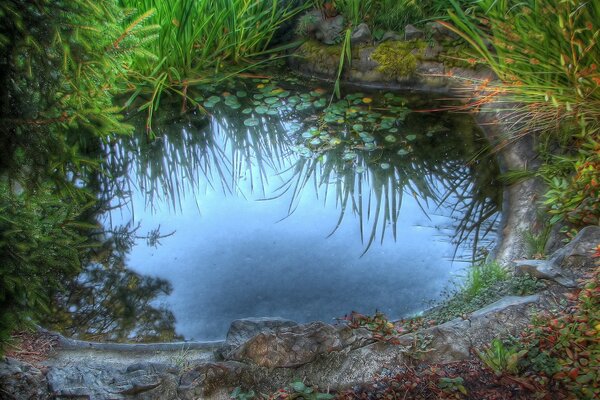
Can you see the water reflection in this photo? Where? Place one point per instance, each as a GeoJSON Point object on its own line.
{"type": "Point", "coordinates": [364, 169]}
{"type": "Point", "coordinates": [109, 302]}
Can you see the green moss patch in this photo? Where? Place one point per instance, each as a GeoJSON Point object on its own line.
{"type": "Point", "coordinates": [397, 58]}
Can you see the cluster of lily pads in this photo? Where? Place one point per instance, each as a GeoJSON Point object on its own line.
{"type": "Point", "coordinates": [355, 123]}
{"type": "Point", "coordinates": [266, 97]}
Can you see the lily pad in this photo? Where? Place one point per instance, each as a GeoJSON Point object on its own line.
{"type": "Point", "coordinates": [241, 93]}
{"type": "Point", "coordinates": [321, 103]}
{"type": "Point", "coordinates": [247, 111]}
{"type": "Point", "coordinates": [385, 165]}
{"type": "Point", "coordinates": [402, 152]}
{"type": "Point", "coordinates": [390, 138]}
{"type": "Point", "coordinates": [271, 100]}
{"type": "Point", "coordinates": [315, 141]}
{"type": "Point", "coordinates": [349, 156]}
{"type": "Point", "coordinates": [251, 122]}
{"type": "Point", "coordinates": [411, 137]}
{"type": "Point", "coordinates": [261, 110]}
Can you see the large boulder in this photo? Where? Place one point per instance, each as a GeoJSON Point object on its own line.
{"type": "Point", "coordinates": [298, 345]}
{"type": "Point", "coordinates": [241, 330]}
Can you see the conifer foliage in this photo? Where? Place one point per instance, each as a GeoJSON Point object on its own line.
{"type": "Point", "coordinates": [62, 61]}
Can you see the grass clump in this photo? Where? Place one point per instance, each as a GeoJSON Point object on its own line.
{"type": "Point", "coordinates": [482, 276]}
{"type": "Point", "coordinates": [484, 284]}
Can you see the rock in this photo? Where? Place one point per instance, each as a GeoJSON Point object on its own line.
{"type": "Point", "coordinates": [576, 256]}
{"type": "Point", "coordinates": [432, 52]}
{"type": "Point", "coordinates": [144, 381]}
{"type": "Point", "coordinates": [543, 269]}
{"type": "Point", "coordinates": [568, 264]}
{"type": "Point", "coordinates": [19, 380]}
{"type": "Point", "coordinates": [298, 345]}
{"type": "Point", "coordinates": [204, 380]}
{"type": "Point", "coordinates": [440, 32]}
{"type": "Point", "coordinates": [325, 30]}
{"type": "Point", "coordinates": [430, 68]}
{"type": "Point", "coordinates": [242, 330]}
{"type": "Point", "coordinates": [391, 35]}
{"type": "Point", "coordinates": [413, 33]}
{"type": "Point", "coordinates": [361, 34]}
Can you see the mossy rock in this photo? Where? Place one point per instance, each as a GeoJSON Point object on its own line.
{"type": "Point", "coordinates": [398, 58]}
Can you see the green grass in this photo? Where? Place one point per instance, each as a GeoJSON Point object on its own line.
{"type": "Point", "coordinates": [482, 276]}
{"type": "Point", "coordinates": [546, 55]}
{"type": "Point", "coordinates": [200, 35]}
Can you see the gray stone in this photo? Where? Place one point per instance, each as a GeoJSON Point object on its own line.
{"type": "Point", "coordinates": [543, 269]}
{"type": "Point", "coordinates": [391, 35]}
{"type": "Point", "coordinates": [19, 381]}
{"type": "Point", "coordinates": [243, 329]}
{"type": "Point", "coordinates": [361, 35]}
{"type": "Point", "coordinates": [412, 33]}
{"type": "Point", "coordinates": [440, 32]}
{"type": "Point", "coordinates": [576, 256]}
{"type": "Point", "coordinates": [430, 68]}
{"type": "Point", "coordinates": [432, 52]}
{"type": "Point", "coordinates": [325, 30]}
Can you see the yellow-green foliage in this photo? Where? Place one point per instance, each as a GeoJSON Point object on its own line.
{"type": "Point", "coordinates": [396, 58]}
{"type": "Point", "coordinates": [316, 52]}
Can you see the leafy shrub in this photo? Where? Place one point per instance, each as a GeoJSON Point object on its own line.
{"type": "Point", "coordinates": [566, 348]}
{"type": "Point", "coordinates": [574, 198]}
{"type": "Point", "coordinates": [63, 61]}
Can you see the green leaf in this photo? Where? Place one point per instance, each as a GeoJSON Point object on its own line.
{"type": "Point", "coordinates": [298, 386]}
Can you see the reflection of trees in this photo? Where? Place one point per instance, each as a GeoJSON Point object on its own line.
{"type": "Point", "coordinates": [109, 302]}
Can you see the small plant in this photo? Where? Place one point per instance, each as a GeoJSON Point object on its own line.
{"type": "Point", "coordinates": [502, 359]}
{"type": "Point", "coordinates": [299, 390]}
{"type": "Point", "coordinates": [453, 386]}
{"type": "Point", "coordinates": [381, 328]}
{"type": "Point", "coordinates": [483, 275]}
{"type": "Point", "coordinates": [566, 348]}
{"type": "Point", "coordinates": [536, 242]}
{"type": "Point", "coordinates": [239, 394]}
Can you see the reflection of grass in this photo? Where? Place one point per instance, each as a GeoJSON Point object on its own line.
{"type": "Point", "coordinates": [432, 174]}
{"type": "Point", "coordinates": [371, 183]}
{"type": "Point", "coordinates": [187, 156]}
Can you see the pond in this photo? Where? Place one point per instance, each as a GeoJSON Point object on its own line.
{"type": "Point", "coordinates": [284, 204]}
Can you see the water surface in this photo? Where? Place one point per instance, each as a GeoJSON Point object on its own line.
{"type": "Point", "coordinates": [283, 205]}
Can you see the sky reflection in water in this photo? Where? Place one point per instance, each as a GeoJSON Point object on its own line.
{"type": "Point", "coordinates": [237, 252]}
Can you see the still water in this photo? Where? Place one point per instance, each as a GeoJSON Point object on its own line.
{"type": "Point", "coordinates": [282, 204]}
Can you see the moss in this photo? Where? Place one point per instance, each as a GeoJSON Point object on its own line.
{"type": "Point", "coordinates": [316, 52]}
{"type": "Point", "coordinates": [398, 58]}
